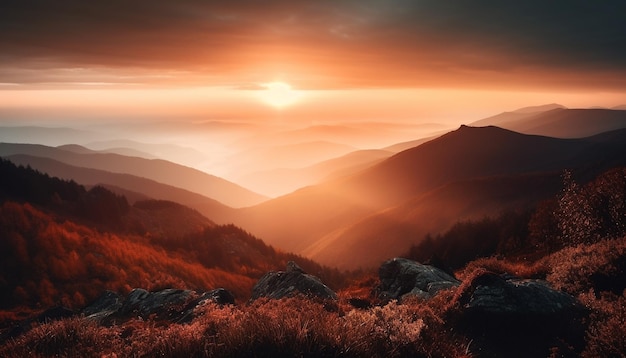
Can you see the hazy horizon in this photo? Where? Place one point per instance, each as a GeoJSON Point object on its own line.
{"type": "Point", "coordinates": [230, 81]}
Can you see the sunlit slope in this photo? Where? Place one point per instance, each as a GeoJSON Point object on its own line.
{"type": "Point", "coordinates": [390, 232]}
{"type": "Point", "coordinates": [561, 122]}
{"type": "Point", "coordinates": [61, 242]}
{"type": "Point", "coordinates": [298, 220]}
{"type": "Point", "coordinates": [282, 181]}
{"type": "Point", "coordinates": [135, 185]}
{"type": "Point", "coordinates": [156, 169]}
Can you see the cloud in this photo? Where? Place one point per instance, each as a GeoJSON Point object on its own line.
{"type": "Point", "coordinates": [323, 43]}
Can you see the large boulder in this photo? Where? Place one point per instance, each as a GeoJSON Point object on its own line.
{"type": "Point", "coordinates": [496, 310]}
{"type": "Point", "coordinates": [169, 304]}
{"type": "Point", "coordinates": [400, 277]}
{"type": "Point", "coordinates": [495, 294]}
{"type": "Point", "coordinates": [289, 283]}
{"type": "Point", "coordinates": [106, 305]}
{"type": "Point", "coordinates": [164, 304]}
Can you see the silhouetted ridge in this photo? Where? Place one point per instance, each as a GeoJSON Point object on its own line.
{"type": "Point", "coordinates": [62, 243]}
{"type": "Point", "coordinates": [340, 217]}
{"type": "Point", "coordinates": [560, 122]}
{"type": "Point", "coordinates": [156, 169]}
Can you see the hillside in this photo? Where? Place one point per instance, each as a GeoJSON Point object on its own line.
{"type": "Point", "coordinates": [504, 118]}
{"type": "Point", "coordinates": [296, 155]}
{"type": "Point", "coordinates": [285, 180]}
{"type": "Point", "coordinates": [156, 169]}
{"type": "Point", "coordinates": [393, 230]}
{"type": "Point", "coordinates": [561, 122]}
{"type": "Point", "coordinates": [554, 284]}
{"type": "Point", "coordinates": [125, 183]}
{"type": "Point", "coordinates": [311, 214]}
{"type": "Point", "coordinates": [64, 244]}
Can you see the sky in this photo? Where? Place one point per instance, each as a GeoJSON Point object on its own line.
{"type": "Point", "coordinates": [419, 60]}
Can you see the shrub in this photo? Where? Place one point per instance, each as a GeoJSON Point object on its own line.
{"type": "Point", "coordinates": [521, 269]}
{"type": "Point", "coordinates": [607, 328]}
{"type": "Point", "coordinates": [265, 328]}
{"type": "Point", "coordinates": [73, 337]}
{"type": "Point", "coordinates": [583, 267]}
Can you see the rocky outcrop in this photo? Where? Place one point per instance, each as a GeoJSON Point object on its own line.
{"type": "Point", "coordinates": [400, 277]}
{"type": "Point", "coordinates": [176, 306]}
{"type": "Point", "coordinates": [106, 305]}
{"type": "Point", "coordinates": [498, 309]}
{"type": "Point", "coordinates": [506, 295]}
{"type": "Point", "coordinates": [291, 282]}
{"type": "Point", "coordinates": [169, 304]}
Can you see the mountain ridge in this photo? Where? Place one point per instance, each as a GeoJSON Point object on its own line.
{"type": "Point", "coordinates": [127, 182]}
{"type": "Point", "coordinates": [156, 169]}
{"type": "Point", "coordinates": [311, 213]}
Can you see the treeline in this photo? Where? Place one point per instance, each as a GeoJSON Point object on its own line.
{"type": "Point", "coordinates": [63, 244]}
{"type": "Point", "coordinates": [579, 214]}
{"type": "Point", "coordinates": [97, 205]}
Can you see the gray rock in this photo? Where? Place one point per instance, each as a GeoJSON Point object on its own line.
{"type": "Point", "coordinates": [291, 282]}
{"type": "Point", "coordinates": [133, 300]}
{"type": "Point", "coordinates": [219, 296]}
{"type": "Point", "coordinates": [106, 305]}
{"type": "Point", "coordinates": [494, 294]}
{"type": "Point", "coordinates": [400, 277]}
{"type": "Point", "coordinates": [165, 303]}
{"type": "Point", "coordinates": [498, 309]}
{"type": "Point", "coordinates": [169, 304]}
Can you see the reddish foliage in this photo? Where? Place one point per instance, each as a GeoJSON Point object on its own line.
{"type": "Point", "coordinates": [45, 262]}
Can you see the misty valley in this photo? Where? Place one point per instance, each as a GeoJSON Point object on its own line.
{"type": "Point", "coordinates": [502, 238]}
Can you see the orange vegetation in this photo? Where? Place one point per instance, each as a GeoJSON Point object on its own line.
{"type": "Point", "coordinates": [46, 262]}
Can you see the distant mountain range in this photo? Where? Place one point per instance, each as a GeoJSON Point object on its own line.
{"type": "Point", "coordinates": [133, 187]}
{"type": "Point", "coordinates": [320, 220]}
{"type": "Point", "coordinates": [286, 180]}
{"type": "Point", "coordinates": [557, 121]}
{"type": "Point", "coordinates": [357, 209]}
{"type": "Point", "coordinates": [156, 169]}
{"type": "Point", "coordinates": [65, 243]}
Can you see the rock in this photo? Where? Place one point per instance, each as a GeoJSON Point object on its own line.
{"type": "Point", "coordinates": [106, 305]}
{"type": "Point", "coordinates": [165, 303]}
{"type": "Point", "coordinates": [219, 296]}
{"type": "Point", "coordinates": [400, 277]}
{"type": "Point", "coordinates": [169, 304]}
{"type": "Point", "coordinates": [496, 310]}
{"type": "Point", "coordinates": [133, 300]}
{"type": "Point", "coordinates": [494, 294]}
{"type": "Point", "coordinates": [291, 282]}
{"type": "Point", "coordinates": [293, 267]}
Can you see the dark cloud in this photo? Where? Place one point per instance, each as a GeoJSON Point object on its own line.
{"type": "Point", "coordinates": [360, 43]}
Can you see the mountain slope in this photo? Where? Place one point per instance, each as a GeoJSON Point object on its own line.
{"type": "Point", "coordinates": [295, 155]}
{"type": "Point", "coordinates": [562, 123]}
{"type": "Point", "coordinates": [46, 135]}
{"type": "Point", "coordinates": [150, 188]}
{"type": "Point", "coordinates": [285, 180]}
{"type": "Point", "coordinates": [57, 248]}
{"type": "Point", "coordinates": [392, 231]}
{"type": "Point", "coordinates": [156, 169]}
{"type": "Point", "coordinates": [504, 118]}
{"type": "Point", "coordinates": [312, 213]}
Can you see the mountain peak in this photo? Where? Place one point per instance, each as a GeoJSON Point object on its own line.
{"type": "Point", "coordinates": [540, 108]}
{"type": "Point", "coordinates": [481, 129]}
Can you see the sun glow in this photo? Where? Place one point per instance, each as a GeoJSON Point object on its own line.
{"type": "Point", "coordinates": [279, 94]}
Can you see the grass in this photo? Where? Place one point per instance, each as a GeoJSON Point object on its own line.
{"type": "Point", "coordinates": [293, 327]}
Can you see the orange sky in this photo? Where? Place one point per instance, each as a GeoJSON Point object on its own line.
{"type": "Point", "coordinates": [421, 61]}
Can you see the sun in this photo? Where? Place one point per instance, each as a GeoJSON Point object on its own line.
{"type": "Point", "coordinates": [279, 94]}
